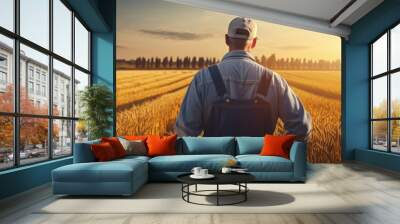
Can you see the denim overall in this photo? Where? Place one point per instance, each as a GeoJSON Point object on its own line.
{"type": "Point", "coordinates": [233, 117]}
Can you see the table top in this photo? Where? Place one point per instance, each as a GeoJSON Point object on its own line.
{"type": "Point", "coordinates": [220, 178]}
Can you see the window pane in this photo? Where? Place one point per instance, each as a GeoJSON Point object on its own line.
{"type": "Point", "coordinates": [6, 74]}
{"type": "Point", "coordinates": [62, 138]}
{"type": "Point", "coordinates": [395, 47]}
{"type": "Point", "coordinates": [35, 21]}
{"type": "Point", "coordinates": [6, 142]}
{"type": "Point", "coordinates": [81, 45]}
{"type": "Point", "coordinates": [379, 55]}
{"type": "Point", "coordinates": [34, 72]}
{"type": "Point", "coordinates": [395, 94]}
{"type": "Point", "coordinates": [62, 29]}
{"type": "Point", "coordinates": [33, 140]}
{"type": "Point", "coordinates": [81, 82]}
{"type": "Point", "coordinates": [7, 14]}
{"type": "Point", "coordinates": [62, 89]}
{"type": "Point", "coordinates": [379, 135]}
{"type": "Point", "coordinates": [81, 131]}
{"type": "Point", "coordinates": [395, 136]}
{"type": "Point", "coordinates": [379, 97]}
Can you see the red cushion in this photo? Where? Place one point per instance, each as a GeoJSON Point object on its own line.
{"type": "Point", "coordinates": [159, 146]}
{"type": "Point", "coordinates": [277, 145]}
{"type": "Point", "coordinates": [116, 145]}
{"type": "Point", "coordinates": [103, 152]}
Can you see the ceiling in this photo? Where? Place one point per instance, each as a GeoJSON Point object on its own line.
{"type": "Point", "coordinates": [327, 16]}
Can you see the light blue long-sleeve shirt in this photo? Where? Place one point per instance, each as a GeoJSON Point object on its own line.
{"type": "Point", "coordinates": [241, 75]}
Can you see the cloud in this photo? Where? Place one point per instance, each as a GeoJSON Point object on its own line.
{"type": "Point", "coordinates": [174, 35]}
{"type": "Point", "coordinates": [293, 47]}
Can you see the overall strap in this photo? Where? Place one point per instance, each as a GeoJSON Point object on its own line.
{"type": "Point", "coordinates": [217, 79]}
{"type": "Point", "coordinates": [264, 84]}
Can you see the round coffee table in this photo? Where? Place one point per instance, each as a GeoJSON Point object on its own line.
{"type": "Point", "coordinates": [238, 179]}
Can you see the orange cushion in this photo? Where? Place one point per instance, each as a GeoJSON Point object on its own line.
{"type": "Point", "coordinates": [277, 145]}
{"type": "Point", "coordinates": [159, 146]}
{"type": "Point", "coordinates": [103, 152]}
{"type": "Point", "coordinates": [116, 145]}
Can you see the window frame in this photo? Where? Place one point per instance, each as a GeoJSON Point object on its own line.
{"type": "Point", "coordinates": [16, 115]}
{"type": "Point", "coordinates": [388, 74]}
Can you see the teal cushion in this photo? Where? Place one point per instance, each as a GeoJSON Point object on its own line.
{"type": "Point", "coordinates": [249, 145]}
{"type": "Point", "coordinates": [185, 163]}
{"type": "Point", "coordinates": [257, 163]}
{"type": "Point", "coordinates": [83, 152]}
{"type": "Point", "coordinates": [207, 145]}
{"type": "Point", "coordinates": [111, 171]}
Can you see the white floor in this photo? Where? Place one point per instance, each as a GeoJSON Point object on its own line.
{"type": "Point", "coordinates": [377, 190]}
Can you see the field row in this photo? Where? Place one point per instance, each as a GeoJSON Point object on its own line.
{"type": "Point", "coordinates": [148, 79]}
{"type": "Point", "coordinates": [156, 116]}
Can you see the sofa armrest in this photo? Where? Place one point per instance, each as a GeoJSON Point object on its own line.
{"type": "Point", "coordinates": [298, 155]}
{"type": "Point", "coordinates": [83, 152]}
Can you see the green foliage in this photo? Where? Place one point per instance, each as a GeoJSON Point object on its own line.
{"type": "Point", "coordinates": [97, 103]}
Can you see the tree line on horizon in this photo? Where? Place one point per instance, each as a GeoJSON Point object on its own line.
{"type": "Point", "coordinates": [199, 62]}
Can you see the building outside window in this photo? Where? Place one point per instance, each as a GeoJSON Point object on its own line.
{"type": "Point", "coordinates": [30, 72]}
{"type": "Point", "coordinates": [385, 94]}
{"type": "Point", "coordinates": [3, 72]}
{"type": "Point", "coordinates": [30, 87]}
{"type": "Point", "coordinates": [60, 127]}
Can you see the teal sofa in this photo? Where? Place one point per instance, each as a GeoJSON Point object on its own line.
{"type": "Point", "coordinates": [125, 176]}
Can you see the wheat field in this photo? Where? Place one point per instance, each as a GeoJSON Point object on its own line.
{"type": "Point", "coordinates": [148, 102]}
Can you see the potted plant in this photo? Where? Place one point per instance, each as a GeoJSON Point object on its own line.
{"type": "Point", "coordinates": [96, 102]}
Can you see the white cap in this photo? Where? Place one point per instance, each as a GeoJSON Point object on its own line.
{"type": "Point", "coordinates": [242, 28]}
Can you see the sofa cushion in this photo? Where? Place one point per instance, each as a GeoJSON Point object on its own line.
{"type": "Point", "coordinates": [116, 145]}
{"type": "Point", "coordinates": [133, 147]}
{"type": "Point", "coordinates": [257, 163]}
{"type": "Point", "coordinates": [103, 152]}
{"type": "Point", "coordinates": [249, 145]}
{"type": "Point", "coordinates": [112, 171]}
{"type": "Point", "coordinates": [161, 145]}
{"type": "Point", "coordinates": [83, 153]}
{"type": "Point", "coordinates": [207, 145]}
{"type": "Point", "coordinates": [185, 163]}
{"type": "Point", "coordinates": [277, 145]}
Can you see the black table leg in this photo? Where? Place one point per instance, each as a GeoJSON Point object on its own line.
{"type": "Point", "coordinates": [217, 194]}
{"type": "Point", "coordinates": [245, 193]}
{"type": "Point", "coordinates": [195, 188]}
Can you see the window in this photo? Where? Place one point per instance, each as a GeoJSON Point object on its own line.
{"type": "Point", "coordinates": [30, 72]}
{"type": "Point", "coordinates": [7, 14]}
{"type": "Point", "coordinates": [3, 61]}
{"type": "Point", "coordinates": [385, 94]}
{"type": "Point", "coordinates": [43, 114]}
{"type": "Point", "coordinates": [44, 91]}
{"type": "Point", "coordinates": [81, 45]}
{"type": "Point", "coordinates": [62, 74]}
{"type": "Point", "coordinates": [30, 88]}
{"type": "Point", "coordinates": [6, 73]}
{"type": "Point", "coordinates": [37, 89]}
{"type": "Point", "coordinates": [3, 78]}
{"type": "Point", "coordinates": [62, 29]}
{"type": "Point", "coordinates": [35, 21]}
{"type": "Point", "coordinates": [62, 137]}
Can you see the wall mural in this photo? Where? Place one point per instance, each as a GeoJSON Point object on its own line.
{"type": "Point", "coordinates": [161, 46]}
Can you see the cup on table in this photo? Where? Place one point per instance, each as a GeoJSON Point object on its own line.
{"type": "Point", "coordinates": [203, 172]}
{"type": "Point", "coordinates": [196, 171]}
{"type": "Point", "coordinates": [226, 170]}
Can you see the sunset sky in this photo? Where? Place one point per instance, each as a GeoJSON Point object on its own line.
{"type": "Point", "coordinates": [157, 28]}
